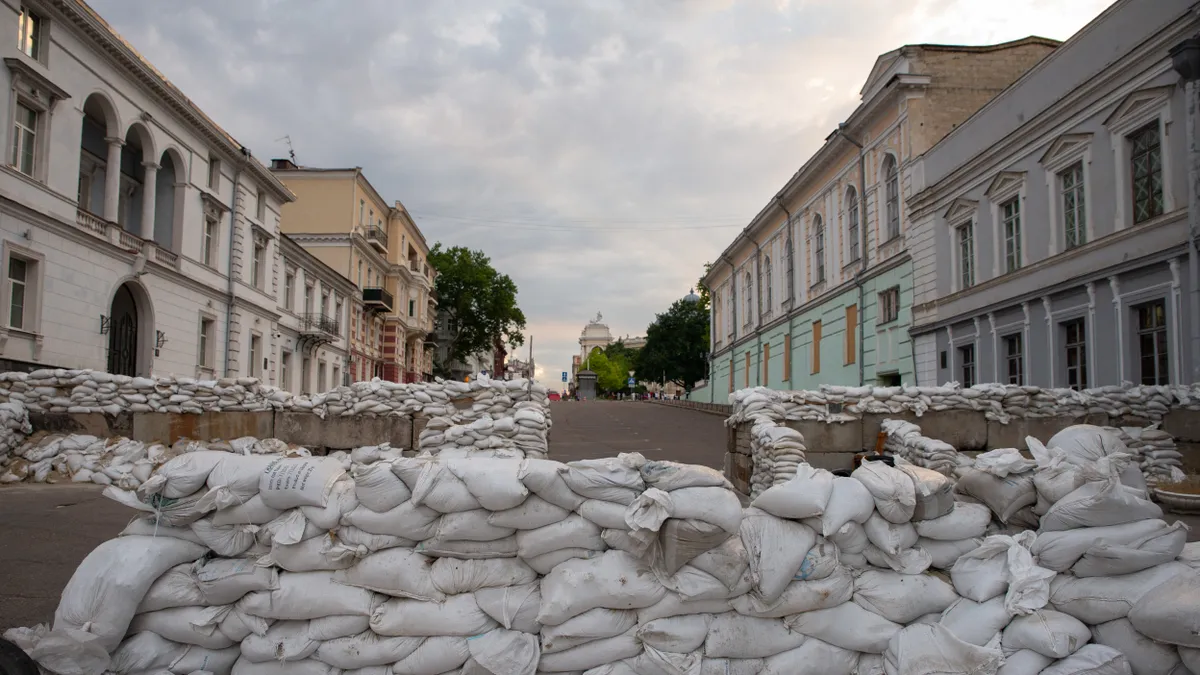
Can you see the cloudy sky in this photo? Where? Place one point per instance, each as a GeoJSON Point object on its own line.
{"type": "Point", "coordinates": [600, 151]}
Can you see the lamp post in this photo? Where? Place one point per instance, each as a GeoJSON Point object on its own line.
{"type": "Point", "coordinates": [1185, 59]}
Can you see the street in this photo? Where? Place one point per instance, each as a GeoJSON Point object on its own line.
{"type": "Point", "coordinates": [48, 529]}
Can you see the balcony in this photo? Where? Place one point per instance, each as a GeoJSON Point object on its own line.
{"type": "Point", "coordinates": [319, 323]}
{"type": "Point", "coordinates": [377, 237]}
{"type": "Point", "coordinates": [377, 299]}
{"type": "Point", "coordinates": [414, 265]}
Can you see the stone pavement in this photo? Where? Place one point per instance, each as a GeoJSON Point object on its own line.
{"type": "Point", "coordinates": [591, 429]}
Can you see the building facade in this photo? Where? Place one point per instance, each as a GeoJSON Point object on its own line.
{"type": "Point", "coordinates": [314, 335]}
{"type": "Point", "coordinates": [138, 236]}
{"type": "Point", "coordinates": [818, 287]}
{"type": "Point", "coordinates": [1050, 240]}
{"type": "Point", "coordinates": [342, 220]}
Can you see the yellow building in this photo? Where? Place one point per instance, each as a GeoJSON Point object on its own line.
{"type": "Point", "coordinates": [340, 218]}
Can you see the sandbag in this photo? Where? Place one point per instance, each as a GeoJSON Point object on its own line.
{"type": "Point", "coordinates": [148, 652]}
{"type": "Point", "coordinates": [714, 505]}
{"type": "Point", "coordinates": [668, 476]}
{"type": "Point", "coordinates": [892, 489]}
{"type": "Point", "coordinates": [398, 572]}
{"type": "Point", "coordinates": [307, 595]}
{"type": "Point", "coordinates": [366, 650]}
{"type": "Point", "coordinates": [283, 641]}
{"type": "Point", "coordinates": [814, 657]}
{"type": "Point", "coordinates": [594, 624]}
{"type": "Point", "coordinates": [1109, 559]}
{"type": "Point", "coordinates": [592, 654]}
{"type": "Point", "coordinates": [1059, 551]}
{"type": "Point", "coordinates": [614, 580]}
{"type": "Point", "coordinates": [944, 554]}
{"type": "Point", "coordinates": [1046, 632]}
{"type": "Point", "coordinates": [452, 576]}
{"type": "Point", "coordinates": [1099, 503]}
{"type": "Point", "coordinates": [924, 649]}
{"type": "Point", "coordinates": [513, 607]}
{"type": "Point", "coordinates": [1004, 496]}
{"type": "Point", "coordinates": [777, 548]}
{"type": "Point", "coordinates": [286, 483]}
{"type": "Point", "coordinates": [1170, 611]}
{"type": "Point", "coordinates": [612, 479]}
{"type": "Point", "coordinates": [1003, 564]}
{"type": "Point", "coordinates": [1024, 662]}
{"type": "Point", "coordinates": [848, 626]}
{"type": "Point", "coordinates": [440, 654]}
{"type": "Point", "coordinates": [574, 531]}
{"type": "Point", "coordinates": [494, 482]}
{"type": "Point", "coordinates": [378, 487]}
{"type": "Point", "coordinates": [891, 538]}
{"type": "Point", "coordinates": [457, 615]}
{"type": "Point", "coordinates": [804, 496]}
{"type": "Point", "coordinates": [676, 634]}
{"type": "Point", "coordinates": [682, 540]}
{"type": "Point", "coordinates": [977, 623]}
{"type": "Point", "coordinates": [902, 598]}
{"type": "Point", "coordinates": [499, 652]}
{"type": "Point", "coordinates": [531, 514]}
{"type": "Point", "coordinates": [1092, 659]}
{"type": "Point", "coordinates": [799, 596]}
{"type": "Point", "coordinates": [849, 501]}
{"type": "Point", "coordinates": [934, 492]}
{"type": "Point", "coordinates": [1144, 654]}
{"type": "Point", "coordinates": [1096, 600]}
{"type": "Point", "coordinates": [733, 636]}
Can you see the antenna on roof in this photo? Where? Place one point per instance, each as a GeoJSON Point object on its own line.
{"type": "Point", "coordinates": [291, 150]}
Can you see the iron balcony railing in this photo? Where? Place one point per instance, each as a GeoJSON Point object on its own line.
{"type": "Point", "coordinates": [378, 298]}
{"type": "Point", "coordinates": [322, 323]}
{"type": "Point", "coordinates": [378, 236]}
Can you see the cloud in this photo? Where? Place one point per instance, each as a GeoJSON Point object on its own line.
{"type": "Point", "coordinates": [599, 152]}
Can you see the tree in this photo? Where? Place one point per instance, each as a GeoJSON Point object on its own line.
{"type": "Point", "coordinates": [676, 345]}
{"type": "Point", "coordinates": [478, 304]}
{"type": "Point", "coordinates": [611, 367]}
{"type": "Point", "coordinates": [701, 289]}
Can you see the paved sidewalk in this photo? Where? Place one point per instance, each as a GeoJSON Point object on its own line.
{"type": "Point", "coordinates": [591, 429]}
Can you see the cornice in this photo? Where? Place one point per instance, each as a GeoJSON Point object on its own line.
{"type": "Point", "coordinates": [20, 68]}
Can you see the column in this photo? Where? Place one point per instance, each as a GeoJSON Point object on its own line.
{"type": "Point", "coordinates": [112, 179]}
{"type": "Point", "coordinates": [149, 195]}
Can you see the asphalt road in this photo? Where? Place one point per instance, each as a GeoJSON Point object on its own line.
{"type": "Point", "coordinates": [47, 530]}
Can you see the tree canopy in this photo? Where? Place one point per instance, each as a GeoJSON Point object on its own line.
{"type": "Point", "coordinates": [611, 365]}
{"type": "Point", "coordinates": [479, 304]}
{"type": "Point", "coordinates": [701, 289]}
{"type": "Point", "coordinates": [676, 345]}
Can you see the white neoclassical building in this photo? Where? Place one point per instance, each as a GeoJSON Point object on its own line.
{"type": "Point", "coordinates": [137, 236]}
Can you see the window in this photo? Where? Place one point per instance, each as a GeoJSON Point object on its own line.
{"type": "Point", "coordinates": [1074, 214]}
{"type": "Point", "coordinates": [207, 357]}
{"type": "Point", "coordinates": [305, 369]}
{"type": "Point", "coordinates": [412, 307]}
{"type": "Point", "coordinates": [24, 148]}
{"type": "Point", "coordinates": [889, 305]}
{"type": "Point", "coordinates": [214, 173]}
{"type": "Point", "coordinates": [818, 249]}
{"type": "Point", "coordinates": [1076, 344]}
{"type": "Point", "coordinates": [766, 363]}
{"type": "Point", "coordinates": [746, 286]}
{"type": "Point", "coordinates": [321, 382]}
{"type": "Point", "coordinates": [1014, 357]}
{"type": "Point", "coordinates": [337, 309]}
{"type": "Point", "coordinates": [1010, 215]}
{"type": "Point", "coordinates": [308, 298]}
{"type": "Point", "coordinates": [787, 357]}
{"type": "Point", "coordinates": [892, 190]}
{"type": "Point", "coordinates": [967, 356]}
{"type": "Point", "coordinates": [852, 222]}
{"type": "Point", "coordinates": [29, 36]}
{"type": "Point", "coordinates": [360, 268]}
{"type": "Point", "coordinates": [746, 371]}
{"type": "Point", "coordinates": [255, 364]}
{"type": "Point", "coordinates": [766, 273]}
{"type": "Point", "coordinates": [966, 255]}
{"type": "Point", "coordinates": [1152, 342]}
{"type": "Point", "coordinates": [289, 289]}
{"type": "Point", "coordinates": [790, 265]}
{"type": "Point", "coordinates": [18, 292]}
{"type": "Point", "coordinates": [285, 370]}
{"type": "Point", "coordinates": [1146, 168]}
{"type": "Point", "coordinates": [816, 347]}
{"type": "Point", "coordinates": [260, 207]}
{"type": "Point", "coordinates": [851, 330]}
{"type": "Point", "coordinates": [208, 247]}
{"type": "Point", "coordinates": [258, 263]}
{"type": "Point", "coordinates": [325, 303]}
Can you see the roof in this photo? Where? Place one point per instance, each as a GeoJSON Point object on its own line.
{"type": "Point", "coordinates": [94, 26]}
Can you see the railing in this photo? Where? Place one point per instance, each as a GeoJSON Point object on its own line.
{"type": "Point", "coordinates": [166, 257]}
{"type": "Point", "coordinates": [91, 222]}
{"type": "Point", "coordinates": [322, 323]}
{"type": "Point", "coordinates": [378, 235]}
{"type": "Point", "coordinates": [378, 297]}
{"type": "Point", "coordinates": [414, 266]}
{"type": "Point", "coordinates": [128, 240]}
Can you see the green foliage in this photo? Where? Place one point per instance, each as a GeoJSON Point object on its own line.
{"type": "Point", "coordinates": [676, 345]}
{"type": "Point", "coordinates": [611, 365]}
{"type": "Point", "coordinates": [702, 290]}
{"type": "Point", "coordinates": [480, 304]}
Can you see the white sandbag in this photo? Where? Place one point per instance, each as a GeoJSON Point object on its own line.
{"type": "Point", "coordinates": [531, 514]}
{"type": "Point", "coordinates": [975, 622]}
{"type": "Point", "coordinates": [377, 487]}
{"type": "Point", "coordinates": [804, 496]}
{"type": "Point", "coordinates": [923, 649]}
{"type": "Point", "coordinates": [1003, 565]}
{"type": "Point", "coordinates": [434, 485]}
{"type": "Point", "coordinates": [1096, 600]}
{"type": "Point", "coordinates": [228, 540]}
{"type": "Point", "coordinates": [286, 483]}
{"type": "Point", "coordinates": [545, 479]}
{"type": "Point", "coordinates": [673, 604]}
{"type": "Point", "coordinates": [657, 662]}
{"type": "Point", "coordinates": [907, 561]}
{"type": "Point", "coordinates": [223, 581]}
{"type": "Point", "coordinates": [612, 479]}
{"type": "Point", "coordinates": [574, 531]}
{"type": "Point", "coordinates": [870, 664]}
{"type": "Point", "coordinates": [668, 476]}
{"type": "Point", "coordinates": [1099, 503]}
{"type": "Point", "coordinates": [1046, 632]}
{"type": "Point", "coordinates": [1004, 496]}
{"type": "Point", "coordinates": [319, 553]}
{"type": "Point", "coordinates": [1144, 654]}
{"type": "Point", "coordinates": [593, 624]}
{"type": "Point", "coordinates": [409, 521]}
{"type": "Point", "coordinates": [184, 475]}
{"type": "Point", "coordinates": [1092, 659]}
{"type": "Point", "coordinates": [108, 585]}
{"type": "Point", "coordinates": [891, 538]}
{"type": "Point", "coordinates": [442, 654]}
{"type": "Point", "coordinates": [893, 491]}
{"type": "Point", "coordinates": [244, 666]}
{"type": "Point", "coordinates": [676, 634]}
{"type": "Point", "coordinates": [336, 626]}
{"type": "Point", "coordinates": [592, 654]}
{"type": "Point", "coordinates": [934, 492]}
{"type": "Point", "coordinates": [610, 515]}
{"type": "Point", "coordinates": [148, 652]}
{"type": "Point", "coordinates": [307, 595]}
{"type": "Point", "coordinates": [965, 521]}
{"type": "Point", "coordinates": [457, 615]}
{"type": "Point", "coordinates": [1024, 662]}
{"type": "Point", "coordinates": [186, 625]}
{"type": "Point", "coordinates": [472, 525]}
{"type": "Point", "coordinates": [714, 505]}
{"type": "Point", "coordinates": [1111, 559]}
{"type": "Point", "coordinates": [542, 564]}
{"type": "Point", "coordinates": [849, 501]}
{"type": "Point", "coordinates": [164, 512]}
{"type": "Point", "coordinates": [1170, 612]}
{"type": "Point", "coordinates": [513, 607]}
{"type": "Point", "coordinates": [851, 537]}
{"type": "Point", "coordinates": [365, 650]}
{"type": "Point", "coordinates": [148, 526]}
{"type": "Point", "coordinates": [1086, 443]}
{"type": "Point", "coordinates": [283, 641]}
{"type": "Point", "coordinates": [398, 572]}
{"type": "Point", "coordinates": [1191, 659]}
{"type": "Point", "coordinates": [340, 501]}
{"type": "Point", "coordinates": [814, 657]}
{"type": "Point", "coordinates": [799, 596]}
{"type": "Point", "coordinates": [945, 553]}
{"type": "Point", "coordinates": [253, 512]}
{"type": "Point", "coordinates": [681, 540]}
{"type": "Point", "coordinates": [496, 483]}
{"type": "Point", "coordinates": [614, 580]}
{"type": "Point", "coordinates": [452, 576]}
{"type": "Point", "coordinates": [499, 652]}
{"type": "Point", "coordinates": [848, 626]}
{"type": "Point", "coordinates": [731, 635]}
{"type": "Point", "coordinates": [902, 598]}
{"type": "Point", "coordinates": [727, 562]}
{"type": "Point", "coordinates": [777, 548]}
{"type": "Point", "coordinates": [175, 588]}
{"type": "Point", "coordinates": [1059, 551]}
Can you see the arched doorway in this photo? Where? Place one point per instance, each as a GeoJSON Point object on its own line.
{"type": "Point", "coordinates": [123, 333]}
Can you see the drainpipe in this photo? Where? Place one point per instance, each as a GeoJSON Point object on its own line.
{"type": "Point", "coordinates": [732, 311]}
{"type": "Point", "coordinates": [758, 324]}
{"type": "Point", "coordinates": [1185, 58]}
{"type": "Point", "coordinates": [862, 234]}
{"type": "Point", "coordinates": [791, 287]}
{"type": "Point", "coordinates": [229, 294]}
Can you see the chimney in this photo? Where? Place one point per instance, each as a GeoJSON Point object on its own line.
{"type": "Point", "coordinates": [283, 165]}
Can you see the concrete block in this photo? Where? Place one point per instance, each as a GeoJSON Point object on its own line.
{"type": "Point", "coordinates": [95, 424]}
{"type": "Point", "coordinates": [170, 427]}
{"type": "Point", "coordinates": [342, 433]}
{"type": "Point", "coordinates": [871, 426]}
{"type": "Point", "coordinates": [1012, 435]}
{"type": "Point", "coordinates": [963, 429]}
{"type": "Point", "coordinates": [1184, 425]}
{"type": "Point", "coordinates": [418, 425]}
{"type": "Point", "coordinates": [831, 461]}
{"type": "Point", "coordinates": [831, 436]}
{"type": "Point", "coordinates": [740, 469]}
{"type": "Point", "coordinates": [1191, 456]}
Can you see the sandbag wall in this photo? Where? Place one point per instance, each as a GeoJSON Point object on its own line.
{"type": "Point", "coordinates": [431, 566]}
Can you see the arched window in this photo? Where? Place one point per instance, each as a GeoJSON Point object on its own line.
{"type": "Point", "coordinates": [749, 281]}
{"type": "Point", "coordinates": [790, 265]}
{"type": "Point", "coordinates": [818, 249]}
{"type": "Point", "coordinates": [770, 292]}
{"type": "Point", "coordinates": [892, 190]}
{"type": "Point", "coordinates": [852, 224]}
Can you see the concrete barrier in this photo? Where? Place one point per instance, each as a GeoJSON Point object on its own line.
{"type": "Point", "coordinates": [169, 427]}
{"type": "Point", "coordinates": [343, 433]}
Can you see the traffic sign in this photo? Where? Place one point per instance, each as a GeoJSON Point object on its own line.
{"type": "Point", "coordinates": [564, 376]}
{"type": "Point", "coordinates": [631, 383]}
